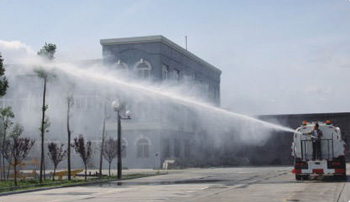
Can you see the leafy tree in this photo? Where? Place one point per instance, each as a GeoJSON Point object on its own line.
{"type": "Point", "coordinates": [70, 103]}
{"type": "Point", "coordinates": [8, 157]}
{"type": "Point", "coordinates": [18, 148]}
{"type": "Point", "coordinates": [47, 52]}
{"type": "Point", "coordinates": [84, 151]}
{"type": "Point", "coordinates": [110, 152]}
{"type": "Point", "coordinates": [16, 131]}
{"type": "Point", "coordinates": [3, 80]}
{"type": "Point", "coordinates": [3, 88]}
{"type": "Point", "coordinates": [6, 115]}
{"type": "Point", "coordinates": [56, 154]}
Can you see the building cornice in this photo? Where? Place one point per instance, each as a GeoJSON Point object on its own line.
{"type": "Point", "coordinates": [161, 39]}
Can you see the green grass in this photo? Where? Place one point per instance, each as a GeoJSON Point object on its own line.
{"type": "Point", "coordinates": [8, 186]}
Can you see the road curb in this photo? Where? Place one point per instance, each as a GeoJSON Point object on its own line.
{"type": "Point", "coordinates": [53, 187]}
{"type": "Point", "coordinates": [68, 185]}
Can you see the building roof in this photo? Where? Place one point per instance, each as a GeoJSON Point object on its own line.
{"type": "Point", "coordinates": [338, 114]}
{"type": "Point", "coordinates": [157, 38]}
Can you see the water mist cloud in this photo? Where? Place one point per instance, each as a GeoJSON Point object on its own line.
{"type": "Point", "coordinates": [170, 105]}
{"type": "Point", "coordinates": [14, 51]}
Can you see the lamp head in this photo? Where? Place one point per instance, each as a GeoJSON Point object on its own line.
{"type": "Point", "coordinates": [128, 114]}
{"type": "Point", "coordinates": [115, 105]}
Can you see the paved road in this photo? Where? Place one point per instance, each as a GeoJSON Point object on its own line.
{"type": "Point", "coordinates": [220, 184]}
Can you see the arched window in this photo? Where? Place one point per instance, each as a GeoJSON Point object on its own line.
{"type": "Point", "coordinates": [121, 65]}
{"type": "Point", "coordinates": [143, 148]}
{"type": "Point", "coordinates": [165, 71]}
{"type": "Point", "coordinates": [143, 69]}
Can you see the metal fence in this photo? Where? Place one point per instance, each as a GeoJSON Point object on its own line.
{"type": "Point", "coordinates": [327, 149]}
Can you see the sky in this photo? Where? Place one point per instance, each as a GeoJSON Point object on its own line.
{"type": "Point", "coordinates": [276, 56]}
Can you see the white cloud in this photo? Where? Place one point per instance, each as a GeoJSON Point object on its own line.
{"type": "Point", "coordinates": [14, 51]}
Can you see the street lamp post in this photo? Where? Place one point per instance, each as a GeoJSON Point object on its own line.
{"type": "Point", "coordinates": [116, 107]}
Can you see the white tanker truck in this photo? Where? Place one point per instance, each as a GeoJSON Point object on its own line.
{"type": "Point", "coordinates": [332, 161]}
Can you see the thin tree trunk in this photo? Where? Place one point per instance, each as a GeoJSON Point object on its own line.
{"type": "Point", "coordinates": [54, 173]}
{"type": "Point", "coordinates": [44, 170]}
{"type": "Point", "coordinates": [2, 165]}
{"type": "Point", "coordinates": [85, 172]}
{"type": "Point", "coordinates": [69, 136]}
{"type": "Point", "coordinates": [42, 134]}
{"type": "Point", "coordinates": [109, 169]}
{"type": "Point", "coordinates": [3, 152]}
{"type": "Point", "coordinates": [8, 171]}
{"type": "Point", "coordinates": [102, 144]}
{"type": "Point", "coordinates": [14, 167]}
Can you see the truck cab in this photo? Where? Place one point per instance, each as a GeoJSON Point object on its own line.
{"type": "Point", "coordinates": [332, 160]}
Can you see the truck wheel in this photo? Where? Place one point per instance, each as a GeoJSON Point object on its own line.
{"type": "Point", "coordinates": [306, 177]}
{"type": "Point", "coordinates": [298, 177]}
{"type": "Point", "coordinates": [340, 177]}
{"type": "Point", "coordinates": [343, 177]}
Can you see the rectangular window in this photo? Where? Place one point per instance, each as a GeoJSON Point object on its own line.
{"type": "Point", "coordinates": [142, 151]}
{"type": "Point", "coordinates": [165, 71]}
{"type": "Point", "coordinates": [145, 151]}
{"type": "Point", "coordinates": [143, 148]}
{"type": "Point", "coordinates": [146, 74]}
{"type": "Point", "coordinates": [143, 73]}
{"type": "Point", "coordinates": [166, 147]}
{"type": "Point", "coordinates": [176, 74]}
{"type": "Point", "coordinates": [139, 151]}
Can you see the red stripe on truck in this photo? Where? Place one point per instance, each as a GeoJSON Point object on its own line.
{"type": "Point", "coordinates": [317, 171]}
{"type": "Point", "coordinates": [339, 170]}
{"type": "Point", "coordinates": [296, 171]}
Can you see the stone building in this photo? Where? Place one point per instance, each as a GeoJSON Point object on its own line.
{"type": "Point", "coordinates": [157, 58]}
{"type": "Point", "coordinates": [158, 130]}
{"type": "Point", "coordinates": [166, 132]}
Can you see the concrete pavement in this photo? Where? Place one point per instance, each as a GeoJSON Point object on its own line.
{"type": "Point", "coordinates": [219, 184]}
